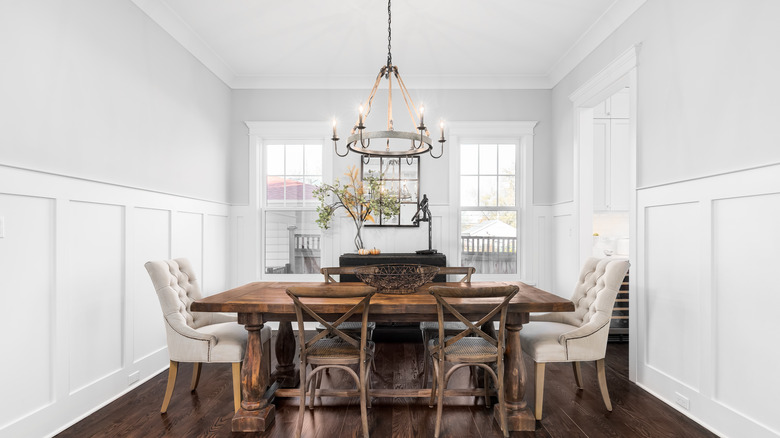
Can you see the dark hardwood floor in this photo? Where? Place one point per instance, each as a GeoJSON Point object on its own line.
{"type": "Point", "coordinates": [568, 413]}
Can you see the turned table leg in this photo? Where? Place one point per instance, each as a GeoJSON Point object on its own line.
{"type": "Point", "coordinates": [519, 416]}
{"type": "Point", "coordinates": [256, 413]}
{"type": "Point", "coordinates": [286, 374]}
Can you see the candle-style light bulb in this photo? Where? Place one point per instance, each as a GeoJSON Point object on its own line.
{"type": "Point", "coordinates": [441, 125]}
{"type": "Point", "coordinates": [360, 116]}
{"type": "Point", "coordinates": [422, 116]}
{"type": "Point", "coordinates": [334, 128]}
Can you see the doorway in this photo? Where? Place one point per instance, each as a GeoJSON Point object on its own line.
{"type": "Point", "coordinates": [605, 194]}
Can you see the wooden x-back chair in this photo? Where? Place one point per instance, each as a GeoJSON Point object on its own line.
{"type": "Point", "coordinates": [332, 347]}
{"type": "Point", "coordinates": [349, 327]}
{"type": "Point", "coordinates": [430, 329]}
{"type": "Point", "coordinates": [463, 350]}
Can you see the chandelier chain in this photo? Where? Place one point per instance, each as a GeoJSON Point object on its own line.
{"type": "Point", "coordinates": [389, 36]}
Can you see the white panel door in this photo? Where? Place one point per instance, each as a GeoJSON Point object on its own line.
{"type": "Point", "coordinates": [95, 269]}
{"type": "Point", "coordinates": [26, 278]}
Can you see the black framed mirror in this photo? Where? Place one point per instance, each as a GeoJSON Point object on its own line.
{"type": "Point", "coordinates": [401, 176]}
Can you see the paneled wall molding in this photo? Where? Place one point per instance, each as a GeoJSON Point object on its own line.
{"type": "Point", "coordinates": [110, 184]}
{"type": "Point", "coordinates": [752, 171]}
{"type": "Point", "coordinates": [704, 300]}
{"type": "Point", "coordinates": [72, 257]}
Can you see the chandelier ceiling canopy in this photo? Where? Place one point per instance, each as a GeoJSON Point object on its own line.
{"type": "Point", "coordinates": [392, 143]}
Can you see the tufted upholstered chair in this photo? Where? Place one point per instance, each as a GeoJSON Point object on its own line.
{"type": "Point", "coordinates": [580, 335]}
{"type": "Point", "coordinates": [197, 337]}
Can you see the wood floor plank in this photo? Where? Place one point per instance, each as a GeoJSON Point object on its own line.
{"type": "Point", "coordinates": [568, 412]}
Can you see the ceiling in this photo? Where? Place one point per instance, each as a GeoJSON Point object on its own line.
{"type": "Point", "coordinates": [306, 44]}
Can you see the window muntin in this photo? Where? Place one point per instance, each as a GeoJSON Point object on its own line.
{"type": "Point", "coordinates": [292, 172]}
{"type": "Point", "coordinates": [487, 175]}
{"type": "Point", "coordinates": [488, 204]}
{"type": "Point", "coordinates": [292, 240]}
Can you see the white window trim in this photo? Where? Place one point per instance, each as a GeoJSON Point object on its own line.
{"type": "Point", "coordinates": [261, 133]}
{"type": "Point", "coordinates": [521, 133]}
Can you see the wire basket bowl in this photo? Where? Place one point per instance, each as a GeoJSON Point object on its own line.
{"type": "Point", "coordinates": [398, 279]}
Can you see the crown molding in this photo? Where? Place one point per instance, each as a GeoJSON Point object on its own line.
{"type": "Point", "coordinates": [174, 25]}
{"type": "Point", "coordinates": [608, 23]}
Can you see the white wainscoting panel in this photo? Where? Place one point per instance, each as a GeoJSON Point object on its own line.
{"type": "Point", "coordinates": [671, 291]}
{"type": "Point", "coordinates": [152, 241]}
{"type": "Point", "coordinates": [215, 254]}
{"type": "Point", "coordinates": [706, 299]}
{"type": "Point", "coordinates": [26, 278]}
{"type": "Point", "coordinates": [188, 240]}
{"type": "Point", "coordinates": [96, 294]}
{"type": "Point", "coordinates": [564, 256]}
{"type": "Point", "coordinates": [72, 257]}
{"type": "Point", "coordinates": [746, 250]}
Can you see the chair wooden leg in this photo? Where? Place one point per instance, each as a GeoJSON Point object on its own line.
{"type": "Point", "coordinates": [302, 402]}
{"type": "Point", "coordinates": [315, 385]}
{"type": "Point", "coordinates": [440, 406]}
{"type": "Point", "coordinates": [195, 375]}
{"type": "Point", "coordinates": [601, 370]}
{"type": "Point", "coordinates": [363, 401]}
{"type": "Point", "coordinates": [487, 385]}
{"type": "Point", "coordinates": [502, 400]}
{"type": "Point", "coordinates": [236, 385]}
{"type": "Point", "coordinates": [577, 374]}
{"type": "Point", "coordinates": [368, 384]}
{"type": "Point", "coordinates": [172, 371]}
{"type": "Point", "coordinates": [539, 390]}
{"type": "Point", "coordinates": [426, 358]}
{"type": "Point", "coordinates": [433, 384]}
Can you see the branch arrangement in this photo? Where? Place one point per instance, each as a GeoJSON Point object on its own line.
{"type": "Point", "coordinates": [359, 198]}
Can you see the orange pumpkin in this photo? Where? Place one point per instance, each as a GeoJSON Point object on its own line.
{"type": "Point", "coordinates": [375, 251]}
{"type": "Point", "coordinates": [363, 251]}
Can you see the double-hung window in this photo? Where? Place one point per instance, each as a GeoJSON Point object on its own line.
{"type": "Point", "coordinates": [292, 240]}
{"type": "Point", "coordinates": [489, 206]}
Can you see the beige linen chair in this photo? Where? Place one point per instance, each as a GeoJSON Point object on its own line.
{"type": "Point", "coordinates": [198, 337]}
{"type": "Point", "coordinates": [333, 348]}
{"type": "Point", "coordinates": [579, 335]}
{"type": "Point", "coordinates": [482, 350]}
{"type": "Point", "coordinates": [430, 329]}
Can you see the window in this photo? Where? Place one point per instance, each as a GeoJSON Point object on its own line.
{"type": "Point", "coordinates": [292, 239]}
{"type": "Point", "coordinates": [489, 207]}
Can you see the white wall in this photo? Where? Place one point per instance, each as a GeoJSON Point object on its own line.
{"type": "Point", "coordinates": [707, 91]}
{"type": "Point", "coordinates": [95, 89]}
{"type": "Point", "coordinates": [113, 151]}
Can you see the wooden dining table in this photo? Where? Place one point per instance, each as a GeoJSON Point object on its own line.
{"type": "Point", "coordinates": [261, 302]}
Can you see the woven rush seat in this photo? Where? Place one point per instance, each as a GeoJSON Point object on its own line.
{"type": "Point", "coordinates": [336, 348]}
{"type": "Point", "coordinates": [469, 349]}
{"type": "Point", "coordinates": [449, 326]}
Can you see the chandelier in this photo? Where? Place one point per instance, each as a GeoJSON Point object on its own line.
{"type": "Point", "coordinates": [392, 143]}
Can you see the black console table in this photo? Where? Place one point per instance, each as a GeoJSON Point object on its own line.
{"type": "Point", "coordinates": [383, 259]}
{"type": "Point", "coordinates": [393, 331]}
